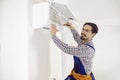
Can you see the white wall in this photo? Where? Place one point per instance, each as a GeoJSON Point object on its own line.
{"type": "Point", "coordinates": [39, 64]}
{"type": "Point", "coordinates": [42, 52]}
{"type": "Point", "coordinates": [39, 52]}
{"type": "Point", "coordinates": [106, 62]}
{"type": "Point", "coordinates": [42, 48]}
{"type": "Point", "coordinates": [26, 53]}
{"type": "Point", "coordinates": [55, 60]}
{"type": "Point", "coordinates": [14, 39]}
{"type": "Point", "coordinates": [0, 39]}
{"type": "Point", "coordinates": [95, 10]}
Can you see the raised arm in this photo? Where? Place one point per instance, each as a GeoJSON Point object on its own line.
{"type": "Point", "coordinates": [65, 47]}
{"type": "Point", "coordinates": [82, 51]}
{"type": "Point", "coordinates": [76, 36]}
{"type": "Point", "coordinates": [74, 32]}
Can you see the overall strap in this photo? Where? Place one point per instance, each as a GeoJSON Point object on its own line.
{"type": "Point", "coordinates": [78, 66]}
{"type": "Point", "coordinates": [91, 46]}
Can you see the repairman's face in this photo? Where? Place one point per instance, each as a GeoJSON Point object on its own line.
{"type": "Point", "coordinates": [86, 33]}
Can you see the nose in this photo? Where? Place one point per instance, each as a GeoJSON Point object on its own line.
{"type": "Point", "coordinates": [82, 31]}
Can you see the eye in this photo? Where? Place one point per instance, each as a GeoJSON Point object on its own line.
{"type": "Point", "coordinates": [87, 30]}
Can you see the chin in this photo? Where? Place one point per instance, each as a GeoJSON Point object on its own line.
{"type": "Point", "coordinates": [83, 38]}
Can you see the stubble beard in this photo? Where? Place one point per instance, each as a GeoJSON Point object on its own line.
{"type": "Point", "coordinates": [82, 38]}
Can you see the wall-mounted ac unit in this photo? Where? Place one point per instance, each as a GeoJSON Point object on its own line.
{"type": "Point", "coordinates": [43, 14]}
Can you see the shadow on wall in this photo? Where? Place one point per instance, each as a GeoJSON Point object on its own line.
{"type": "Point", "coordinates": [39, 56]}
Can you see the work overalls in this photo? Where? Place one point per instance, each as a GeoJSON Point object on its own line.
{"type": "Point", "coordinates": [78, 72]}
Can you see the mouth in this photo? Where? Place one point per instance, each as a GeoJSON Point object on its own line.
{"type": "Point", "coordinates": [83, 35]}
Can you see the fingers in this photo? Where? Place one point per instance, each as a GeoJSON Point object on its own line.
{"type": "Point", "coordinates": [53, 29]}
{"type": "Point", "coordinates": [67, 24]}
{"type": "Point", "coordinates": [53, 26]}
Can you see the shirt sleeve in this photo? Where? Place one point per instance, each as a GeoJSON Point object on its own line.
{"type": "Point", "coordinates": [76, 36]}
{"type": "Point", "coordinates": [72, 50]}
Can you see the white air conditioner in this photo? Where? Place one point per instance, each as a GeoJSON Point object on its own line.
{"type": "Point", "coordinates": [43, 14]}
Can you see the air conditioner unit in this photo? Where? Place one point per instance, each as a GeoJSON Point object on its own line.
{"type": "Point", "coordinates": [43, 14]}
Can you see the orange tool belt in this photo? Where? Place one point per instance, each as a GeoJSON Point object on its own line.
{"type": "Point", "coordinates": [79, 76]}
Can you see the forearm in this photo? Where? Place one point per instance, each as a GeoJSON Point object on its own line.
{"type": "Point", "coordinates": [59, 43]}
{"type": "Point", "coordinates": [74, 32]}
{"type": "Point", "coordinates": [82, 51]}
{"type": "Point", "coordinates": [76, 35]}
{"type": "Point", "coordinates": [64, 47]}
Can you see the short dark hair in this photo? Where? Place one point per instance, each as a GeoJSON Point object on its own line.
{"type": "Point", "coordinates": [94, 27]}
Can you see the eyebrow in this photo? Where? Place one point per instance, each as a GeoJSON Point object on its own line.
{"type": "Point", "coordinates": [85, 29]}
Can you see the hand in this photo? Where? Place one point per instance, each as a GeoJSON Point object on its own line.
{"type": "Point", "coordinates": [69, 25]}
{"type": "Point", "coordinates": [53, 29]}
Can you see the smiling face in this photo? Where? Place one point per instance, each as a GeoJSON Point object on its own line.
{"type": "Point", "coordinates": [86, 33]}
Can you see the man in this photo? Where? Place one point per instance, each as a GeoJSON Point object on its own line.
{"type": "Point", "coordinates": [83, 54]}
